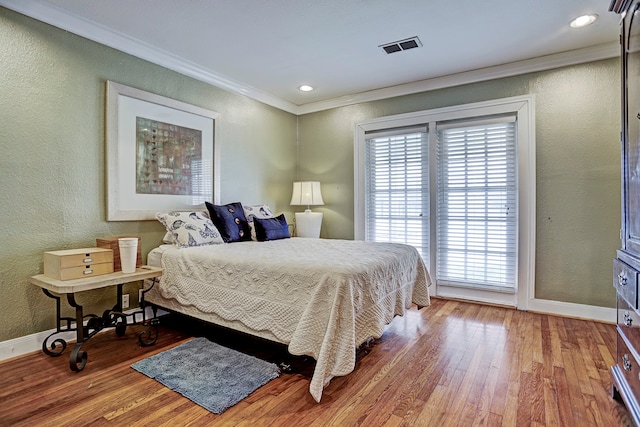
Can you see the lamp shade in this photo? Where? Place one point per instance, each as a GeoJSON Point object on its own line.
{"type": "Point", "coordinates": [306, 193]}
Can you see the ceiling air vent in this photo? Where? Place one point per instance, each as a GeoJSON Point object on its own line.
{"type": "Point", "coordinates": [401, 45]}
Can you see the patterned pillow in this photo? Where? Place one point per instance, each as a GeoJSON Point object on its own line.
{"type": "Point", "coordinates": [272, 228]}
{"type": "Point", "coordinates": [256, 211]}
{"type": "Point", "coordinates": [168, 238]}
{"type": "Point", "coordinates": [230, 221]}
{"type": "Point", "coordinates": [190, 228]}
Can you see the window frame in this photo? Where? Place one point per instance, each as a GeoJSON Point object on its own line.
{"type": "Point", "coordinates": [524, 109]}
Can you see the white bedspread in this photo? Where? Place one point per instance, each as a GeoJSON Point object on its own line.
{"type": "Point", "coordinates": [320, 297]}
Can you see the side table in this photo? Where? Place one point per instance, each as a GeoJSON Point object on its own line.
{"type": "Point", "coordinates": [114, 317]}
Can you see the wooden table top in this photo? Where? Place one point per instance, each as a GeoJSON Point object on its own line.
{"type": "Point", "coordinates": [95, 282]}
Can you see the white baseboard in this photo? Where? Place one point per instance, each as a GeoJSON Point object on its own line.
{"type": "Point", "coordinates": [554, 308]}
{"type": "Point", "coordinates": [30, 343]}
{"type": "Point", "coordinates": [568, 309]}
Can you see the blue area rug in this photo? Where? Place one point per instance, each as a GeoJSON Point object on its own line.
{"type": "Point", "coordinates": [213, 376]}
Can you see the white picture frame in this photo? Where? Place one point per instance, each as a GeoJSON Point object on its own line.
{"type": "Point", "coordinates": [130, 197]}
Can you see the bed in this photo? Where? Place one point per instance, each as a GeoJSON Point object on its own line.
{"type": "Point", "coordinates": [320, 297]}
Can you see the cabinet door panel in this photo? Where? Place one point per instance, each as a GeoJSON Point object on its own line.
{"type": "Point", "coordinates": [632, 146]}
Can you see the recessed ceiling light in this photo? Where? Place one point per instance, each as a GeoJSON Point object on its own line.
{"type": "Point", "coordinates": [305, 88]}
{"type": "Point", "coordinates": [583, 21]}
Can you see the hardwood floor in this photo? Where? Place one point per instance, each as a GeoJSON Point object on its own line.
{"type": "Point", "coordinates": [452, 363]}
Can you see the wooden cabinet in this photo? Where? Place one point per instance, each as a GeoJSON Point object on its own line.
{"type": "Point", "coordinates": [626, 372]}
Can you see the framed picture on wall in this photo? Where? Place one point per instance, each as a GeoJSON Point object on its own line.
{"type": "Point", "coordinates": [160, 154]}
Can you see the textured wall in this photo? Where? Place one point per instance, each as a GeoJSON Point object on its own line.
{"type": "Point", "coordinates": [578, 169]}
{"type": "Point", "coordinates": [52, 185]}
{"type": "Point", "coordinates": [52, 176]}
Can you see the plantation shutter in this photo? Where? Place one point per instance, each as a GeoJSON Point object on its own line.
{"type": "Point", "coordinates": [397, 188]}
{"type": "Point", "coordinates": [477, 192]}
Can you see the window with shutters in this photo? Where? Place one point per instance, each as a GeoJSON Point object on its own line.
{"type": "Point", "coordinates": [477, 209]}
{"type": "Point", "coordinates": [449, 183]}
{"type": "Point", "coordinates": [397, 188]}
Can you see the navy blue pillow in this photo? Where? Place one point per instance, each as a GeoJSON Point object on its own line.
{"type": "Point", "coordinates": [271, 228]}
{"type": "Point", "coordinates": [230, 221]}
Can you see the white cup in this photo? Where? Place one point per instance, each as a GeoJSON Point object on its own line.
{"type": "Point", "coordinates": [128, 253]}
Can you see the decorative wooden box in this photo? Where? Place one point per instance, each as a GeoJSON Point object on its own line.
{"type": "Point", "coordinates": [77, 263]}
{"type": "Point", "coordinates": [112, 243]}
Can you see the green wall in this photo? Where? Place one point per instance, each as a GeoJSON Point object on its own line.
{"type": "Point", "coordinates": [52, 177]}
{"type": "Point", "coordinates": [578, 169]}
{"type": "Point", "coordinates": [52, 161]}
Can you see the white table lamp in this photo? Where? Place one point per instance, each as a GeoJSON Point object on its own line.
{"type": "Point", "coordinates": [307, 193]}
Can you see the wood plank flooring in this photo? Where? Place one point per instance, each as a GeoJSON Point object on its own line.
{"type": "Point", "coordinates": [450, 364]}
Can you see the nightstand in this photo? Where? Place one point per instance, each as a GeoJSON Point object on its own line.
{"type": "Point", "coordinates": [114, 317]}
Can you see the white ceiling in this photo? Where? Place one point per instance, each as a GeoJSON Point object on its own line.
{"type": "Point", "coordinates": [266, 49]}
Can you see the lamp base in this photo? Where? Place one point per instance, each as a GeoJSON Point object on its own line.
{"type": "Point", "coordinates": [308, 224]}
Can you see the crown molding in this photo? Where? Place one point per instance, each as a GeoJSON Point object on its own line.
{"type": "Point", "coordinates": [53, 15]}
{"type": "Point", "coordinates": [50, 14]}
{"type": "Point", "coordinates": [548, 62]}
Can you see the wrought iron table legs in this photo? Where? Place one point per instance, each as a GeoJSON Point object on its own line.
{"type": "Point", "coordinates": [114, 318]}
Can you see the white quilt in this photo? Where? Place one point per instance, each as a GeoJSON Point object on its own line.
{"type": "Point", "coordinates": [320, 297]}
